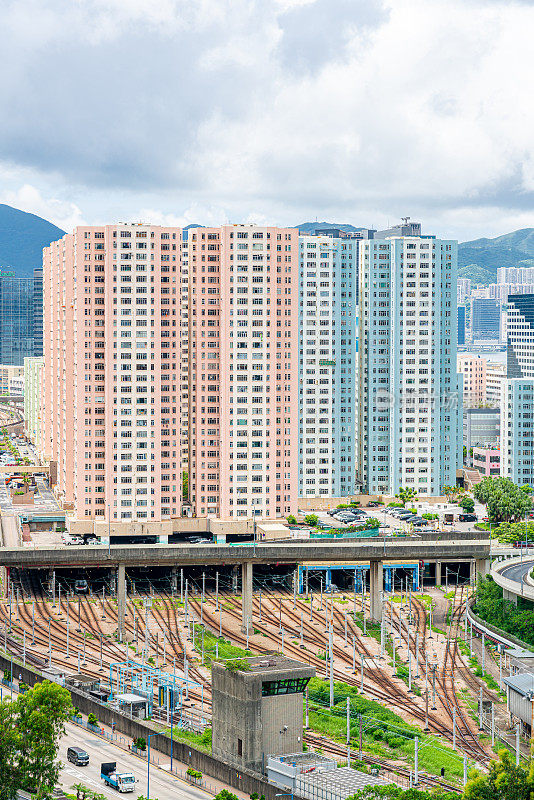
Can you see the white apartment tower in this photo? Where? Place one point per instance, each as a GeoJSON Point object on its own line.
{"type": "Point", "coordinates": [409, 403]}
{"type": "Point", "coordinates": [327, 365]}
{"type": "Point", "coordinates": [517, 409]}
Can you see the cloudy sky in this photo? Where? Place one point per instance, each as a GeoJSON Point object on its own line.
{"type": "Point", "coordinates": [281, 111]}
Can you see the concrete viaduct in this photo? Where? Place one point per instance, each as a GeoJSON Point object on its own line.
{"type": "Point", "coordinates": [438, 546]}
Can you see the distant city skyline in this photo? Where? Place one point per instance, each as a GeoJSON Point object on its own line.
{"type": "Point", "coordinates": [272, 113]}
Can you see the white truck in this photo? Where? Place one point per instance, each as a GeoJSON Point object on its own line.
{"type": "Point", "coordinates": [122, 781]}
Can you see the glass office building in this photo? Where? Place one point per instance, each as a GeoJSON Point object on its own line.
{"type": "Point", "coordinates": [21, 317]}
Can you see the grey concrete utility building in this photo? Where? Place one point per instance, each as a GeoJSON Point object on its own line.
{"type": "Point", "coordinates": [258, 712]}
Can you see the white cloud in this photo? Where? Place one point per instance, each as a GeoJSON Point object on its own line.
{"type": "Point", "coordinates": [276, 110]}
{"type": "Point", "coordinates": [28, 198]}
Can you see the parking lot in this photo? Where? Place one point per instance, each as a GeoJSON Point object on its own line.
{"type": "Point", "coordinates": [390, 523]}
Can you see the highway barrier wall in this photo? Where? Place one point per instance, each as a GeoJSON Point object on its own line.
{"type": "Point", "coordinates": [493, 628]}
{"type": "Point", "coordinates": [236, 777]}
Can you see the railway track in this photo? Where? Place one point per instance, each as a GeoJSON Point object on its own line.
{"type": "Point", "coordinates": [378, 683]}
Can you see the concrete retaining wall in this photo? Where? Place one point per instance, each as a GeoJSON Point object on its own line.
{"type": "Point", "coordinates": [240, 778]}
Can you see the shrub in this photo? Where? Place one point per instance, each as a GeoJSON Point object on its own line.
{"type": "Point", "coordinates": [468, 504]}
{"type": "Point", "coordinates": [238, 665]}
{"type": "Point", "coordinates": [291, 520]}
{"type": "Point", "coordinates": [92, 719]}
{"type": "Point", "coordinates": [311, 520]}
{"type": "Point", "coordinates": [194, 773]}
{"type": "Point", "coordinates": [140, 743]}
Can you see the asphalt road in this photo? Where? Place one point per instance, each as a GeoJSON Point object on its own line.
{"type": "Point", "coordinates": [162, 785]}
{"type": "Point", "coordinates": [518, 572]}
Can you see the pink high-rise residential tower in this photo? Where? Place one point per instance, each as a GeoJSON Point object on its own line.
{"type": "Point", "coordinates": [111, 393]}
{"type": "Point", "coordinates": [243, 390]}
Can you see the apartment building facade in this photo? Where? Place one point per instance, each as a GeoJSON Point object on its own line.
{"type": "Point", "coordinates": [328, 329]}
{"type": "Point", "coordinates": [409, 403]}
{"type": "Point", "coordinates": [495, 377]}
{"type": "Point", "coordinates": [517, 410]}
{"type": "Point", "coordinates": [243, 377]}
{"type": "Point", "coordinates": [33, 379]}
{"type": "Point", "coordinates": [111, 389]}
{"type": "Point", "coordinates": [517, 431]}
{"type": "Point", "coordinates": [473, 370]}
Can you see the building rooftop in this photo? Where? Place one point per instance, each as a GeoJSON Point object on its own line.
{"type": "Point", "coordinates": [303, 759]}
{"type": "Point", "coordinates": [519, 652]}
{"type": "Point", "coordinates": [131, 699]}
{"type": "Point", "coordinates": [522, 683]}
{"type": "Point", "coordinates": [274, 663]}
{"type": "Point", "coordinates": [336, 784]}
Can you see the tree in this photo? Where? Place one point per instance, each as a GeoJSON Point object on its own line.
{"type": "Point", "coordinates": [82, 791]}
{"type": "Point", "coordinates": [405, 495]}
{"type": "Point", "coordinates": [291, 520]}
{"type": "Point", "coordinates": [30, 730]}
{"type": "Point", "coordinates": [9, 742]}
{"type": "Point", "coordinates": [467, 503]}
{"type": "Point", "coordinates": [311, 520]}
{"type": "Point", "coordinates": [392, 792]}
{"type": "Point", "coordinates": [504, 781]}
{"type": "Point", "coordinates": [452, 492]}
{"type": "Point", "coordinates": [40, 716]}
{"type": "Point", "coordinates": [505, 501]}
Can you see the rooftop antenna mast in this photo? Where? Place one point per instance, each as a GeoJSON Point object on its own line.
{"type": "Point", "coordinates": [405, 220]}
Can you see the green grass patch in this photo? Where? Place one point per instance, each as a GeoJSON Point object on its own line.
{"type": "Point", "coordinates": [200, 740]}
{"type": "Point", "coordinates": [371, 628]}
{"type": "Point", "coordinates": [226, 648]}
{"type": "Point", "coordinates": [384, 733]}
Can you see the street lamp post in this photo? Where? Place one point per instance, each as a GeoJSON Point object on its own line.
{"type": "Point", "coordinates": [148, 769]}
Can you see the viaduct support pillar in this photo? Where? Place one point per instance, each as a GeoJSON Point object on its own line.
{"type": "Point", "coordinates": [174, 579]}
{"type": "Point", "coordinates": [246, 595]}
{"type": "Point", "coordinates": [482, 566]}
{"type": "Point", "coordinates": [512, 598]}
{"type": "Point", "coordinates": [121, 600]}
{"type": "Point", "coordinates": [438, 573]}
{"type": "Point", "coordinates": [376, 587]}
{"type": "Point", "coordinates": [4, 581]}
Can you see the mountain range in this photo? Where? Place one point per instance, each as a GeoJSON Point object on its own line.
{"type": "Point", "coordinates": [480, 258]}
{"type": "Point", "coordinates": [23, 236]}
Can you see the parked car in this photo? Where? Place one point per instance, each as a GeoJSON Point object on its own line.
{"type": "Point", "coordinates": [467, 518]}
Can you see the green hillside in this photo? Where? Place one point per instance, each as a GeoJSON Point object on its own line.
{"type": "Point", "coordinates": [514, 249]}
